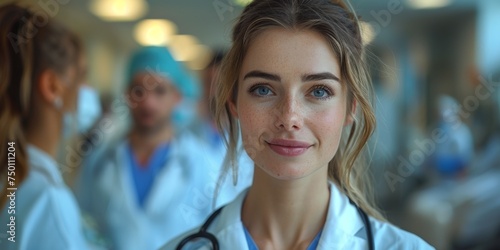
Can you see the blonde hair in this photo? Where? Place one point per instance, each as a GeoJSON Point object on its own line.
{"type": "Point", "coordinates": [26, 49]}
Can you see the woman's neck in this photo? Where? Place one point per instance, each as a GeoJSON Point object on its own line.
{"type": "Point", "coordinates": [287, 214]}
{"type": "Point", "coordinates": [43, 132]}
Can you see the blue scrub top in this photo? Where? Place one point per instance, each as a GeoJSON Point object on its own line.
{"type": "Point", "coordinates": [253, 246]}
{"type": "Point", "coordinates": [144, 176]}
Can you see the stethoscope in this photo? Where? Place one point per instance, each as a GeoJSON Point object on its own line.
{"type": "Point", "coordinates": [204, 234]}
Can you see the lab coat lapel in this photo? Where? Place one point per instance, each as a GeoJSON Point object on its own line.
{"type": "Point", "coordinates": [342, 223]}
{"type": "Point", "coordinates": [117, 184]}
{"type": "Point", "coordinates": [126, 184]}
{"type": "Point", "coordinates": [229, 227]}
{"type": "Point", "coordinates": [168, 183]}
{"type": "Point", "coordinates": [43, 163]}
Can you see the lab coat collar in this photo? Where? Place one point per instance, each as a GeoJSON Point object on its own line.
{"type": "Point", "coordinates": [162, 192]}
{"type": "Point", "coordinates": [230, 227]}
{"type": "Point", "coordinates": [42, 162]}
{"type": "Point", "coordinates": [342, 224]}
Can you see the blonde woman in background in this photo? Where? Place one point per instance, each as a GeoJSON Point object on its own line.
{"type": "Point", "coordinates": [295, 84]}
{"type": "Point", "coordinates": [40, 76]}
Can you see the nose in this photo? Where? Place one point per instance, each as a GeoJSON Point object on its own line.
{"type": "Point", "coordinates": [149, 99]}
{"type": "Point", "coordinates": [140, 97]}
{"type": "Point", "coordinates": [289, 114]}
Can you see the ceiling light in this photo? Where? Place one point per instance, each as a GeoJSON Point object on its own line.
{"type": "Point", "coordinates": [242, 3]}
{"type": "Point", "coordinates": [119, 10]}
{"type": "Point", "coordinates": [182, 47]}
{"type": "Point", "coordinates": [154, 32]}
{"type": "Point", "coordinates": [201, 58]}
{"type": "Point", "coordinates": [427, 4]}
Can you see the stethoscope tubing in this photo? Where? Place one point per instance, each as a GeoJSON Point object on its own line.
{"type": "Point", "coordinates": [204, 234]}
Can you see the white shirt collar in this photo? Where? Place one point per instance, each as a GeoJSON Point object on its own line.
{"type": "Point", "coordinates": [43, 163]}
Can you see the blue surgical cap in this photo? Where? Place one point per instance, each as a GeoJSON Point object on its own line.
{"type": "Point", "coordinates": [160, 61]}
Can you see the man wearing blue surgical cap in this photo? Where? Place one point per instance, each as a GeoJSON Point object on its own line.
{"type": "Point", "coordinates": [149, 185]}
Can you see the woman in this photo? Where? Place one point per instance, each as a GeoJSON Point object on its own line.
{"type": "Point", "coordinates": [295, 84]}
{"type": "Point", "coordinates": [40, 76]}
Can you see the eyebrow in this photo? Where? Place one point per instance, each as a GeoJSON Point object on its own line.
{"type": "Point", "coordinates": [261, 74]}
{"type": "Point", "coordinates": [305, 77]}
{"type": "Point", "coordinates": [319, 77]}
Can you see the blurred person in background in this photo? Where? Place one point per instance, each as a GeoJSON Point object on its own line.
{"type": "Point", "coordinates": [454, 155]}
{"type": "Point", "coordinates": [439, 211]}
{"type": "Point", "coordinates": [89, 108]}
{"type": "Point", "coordinates": [150, 184]}
{"type": "Point", "coordinates": [40, 77]}
{"type": "Point", "coordinates": [79, 146]}
{"type": "Point", "coordinates": [185, 112]}
{"type": "Point", "coordinates": [211, 141]}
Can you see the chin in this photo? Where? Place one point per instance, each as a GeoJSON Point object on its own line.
{"type": "Point", "coordinates": [147, 126]}
{"type": "Point", "coordinates": [287, 171]}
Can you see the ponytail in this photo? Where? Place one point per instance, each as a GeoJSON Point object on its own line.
{"type": "Point", "coordinates": [15, 90]}
{"type": "Point", "coordinates": [25, 51]}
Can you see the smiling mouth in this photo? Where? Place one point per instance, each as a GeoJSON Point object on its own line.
{"type": "Point", "coordinates": [288, 148]}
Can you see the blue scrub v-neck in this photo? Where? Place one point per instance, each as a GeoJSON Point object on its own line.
{"type": "Point", "coordinates": [144, 177]}
{"type": "Point", "coordinates": [253, 246]}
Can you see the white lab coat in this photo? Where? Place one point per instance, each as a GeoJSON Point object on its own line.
{"type": "Point", "coordinates": [180, 198]}
{"type": "Point", "coordinates": [213, 156]}
{"type": "Point", "coordinates": [46, 213]}
{"type": "Point", "coordinates": [343, 229]}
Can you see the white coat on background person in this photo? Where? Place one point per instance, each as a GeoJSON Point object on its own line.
{"type": "Point", "coordinates": [38, 101]}
{"type": "Point", "coordinates": [211, 141]}
{"type": "Point", "coordinates": [212, 152]}
{"type": "Point", "coordinates": [44, 202]}
{"type": "Point", "coordinates": [343, 229]}
{"type": "Point", "coordinates": [184, 187]}
{"type": "Point", "coordinates": [182, 182]}
{"type": "Point", "coordinates": [175, 202]}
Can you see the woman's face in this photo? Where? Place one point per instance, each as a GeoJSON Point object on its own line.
{"type": "Point", "coordinates": [290, 103]}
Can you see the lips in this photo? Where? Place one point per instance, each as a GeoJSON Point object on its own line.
{"type": "Point", "coordinates": [288, 147]}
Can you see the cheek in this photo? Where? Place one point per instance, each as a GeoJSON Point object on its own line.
{"type": "Point", "coordinates": [253, 125]}
{"type": "Point", "coordinates": [328, 126]}
{"type": "Point", "coordinates": [165, 101]}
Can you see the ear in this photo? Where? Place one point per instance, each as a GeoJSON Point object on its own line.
{"type": "Point", "coordinates": [350, 116]}
{"type": "Point", "coordinates": [49, 86]}
{"type": "Point", "coordinates": [232, 108]}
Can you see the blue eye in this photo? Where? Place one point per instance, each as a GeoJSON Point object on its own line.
{"type": "Point", "coordinates": [261, 91]}
{"type": "Point", "coordinates": [321, 92]}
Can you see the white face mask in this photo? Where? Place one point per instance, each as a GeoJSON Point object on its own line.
{"type": "Point", "coordinates": [69, 125]}
{"type": "Point", "coordinates": [87, 112]}
{"type": "Point", "coordinates": [88, 108]}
